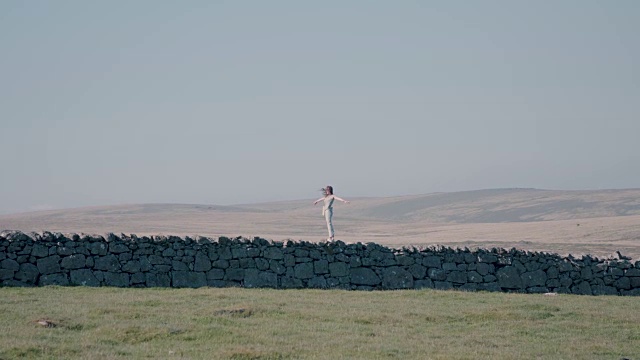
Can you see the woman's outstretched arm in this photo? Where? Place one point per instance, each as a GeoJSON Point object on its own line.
{"type": "Point", "coordinates": [341, 199]}
{"type": "Point", "coordinates": [317, 201]}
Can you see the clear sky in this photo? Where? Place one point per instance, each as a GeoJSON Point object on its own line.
{"type": "Point", "coordinates": [227, 102]}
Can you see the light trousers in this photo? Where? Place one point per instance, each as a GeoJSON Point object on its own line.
{"type": "Point", "coordinates": [328, 214]}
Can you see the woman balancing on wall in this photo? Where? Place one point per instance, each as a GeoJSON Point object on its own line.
{"type": "Point", "coordinates": [327, 209]}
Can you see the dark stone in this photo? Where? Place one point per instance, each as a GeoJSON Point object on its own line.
{"type": "Point", "coordinates": [604, 290]}
{"type": "Point", "coordinates": [118, 279]}
{"type": "Point", "coordinates": [338, 269]}
{"type": "Point", "coordinates": [442, 285]}
{"type": "Point", "coordinates": [582, 289]}
{"type": "Point", "coordinates": [123, 257]}
{"type": "Point", "coordinates": [202, 262]}
{"type": "Point", "coordinates": [188, 279]}
{"type": "Point", "coordinates": [76, 261]}
{"type": "Point", "coordinates": [132, 267]}
{"type": "Point", "coordinates": [423, 284]}
{"type": "Point", "coordinates": [289, 260]}
{"type": "Point", "coordinates": [277, 267]}
{"type": "Point", "coordinates": [586, 274]}
{"type": "Point", "coordinates": [28, 273]}
{"type": "Point", "coordinates": [49, 265]}
{"type": "Point", "coordinates": [14, 283]}
{"type": "Point", "coordinates": [552, 272]}
{"type": "Point", "coordinates": [234, 274]}
{"type": "Point", "coordinates": [483, 269]}
{"type": "Point", "coordinates": [532, 266]}
{"type": "Point", "coordinates": [437, 274]}
{"type": "Point", "coordinates": [239, 252]}
{"type": "Point", "coordinates": [396, 277]}
{"type": "Point", "coordinates": [315, 254]}
{"type": "Point", "coordinates": [10, 264]}
{"type": "Point", "coordinates": [534, 278]}
{"type": "Point", "coordinates": [163, 280]}
{"type": "Point", "coordinates": [220, 264]}
{"type": "Point", "coordinates": [168, 252]}
{"type": "Point", "coordinates": [432, 261]}
{"type": "Point", "coordinates": [566, 281]}
{"type": "Point", "coordinates": [450, 266]}
{"type": "Point", "coordinates": [489, 278]}
{"type": "Point", "coordinates": [53, 279]}
{"type": "Point", "coordinates": [253, 252]}
{"type": "Point", "coordinates": [553, 283]}
{"type": "Point", "coordinates": [117, 248]}
{"type": "Point", "coordinates": [333, 282]}
{"type": "Point", "coordinates": [65, 251]}
{"type": "Point", "coordinates": [304, 271]}
{"type": "Point", "coordinates": [179, 266]}
{"type": "Point", "coordinates": [457, 277]}
{"type": "Point", "coordinates": [107, 263]}
{"type": "Point", "coordinates": [301, 253]}
{"type": "Point", "coordinates": [355, 261]}
{"type": "Point", "coordinates": [509, 278]}
{"type": "Point", "coordinates": [614, 271]}
{"type": "Point", "coordinates": [288, 282]}
{"type": "Point", "coordinates": [487, 258]}
{"type": "Point", "coordinates": [474, 277]}
{"type": "Point", "coordinates": [97, 248]}
{"type": "Point", "coordinates": [6, 274]}
{"type": "Point", "coordinates": [364, 276]}
{"type": "Point", "coordinates": [138, 278]}
{"type": "Point", "coordinates": [634, 292]}
{"type": "Point", "coordinates": [418, 271]}
{"type": "Point", "coordinates": [623, 283]}
{"type": "Point", "coordinates": [254, 278]}
{"type": "Point", "coordinates": [215, 274]}
{"type": "Point", "coordinates": [83, 277]}
{"type": "Point", "coordinates": [404, 260]}
{"type": "Point", "coordinates": [273, 253]}
{"type": "Point", "coordinates": [632, 272]}
{"type": "Point", "coordinates": [262, 264]}
{"type": "Point", "coordinates": [321, 267]}
{"type": "Point", "coordinates": [40, 251]}
{"type": "Point", "coordinates": [225, 253]}
{"type": "Point", "coordinates": [318, 282]}
{"type": "Point", "coordinates": [247, 263]}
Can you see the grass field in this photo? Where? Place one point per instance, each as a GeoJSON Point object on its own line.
{"type": "Point", "coordinates": [233, 323]}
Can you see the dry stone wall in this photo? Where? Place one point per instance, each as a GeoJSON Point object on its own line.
{"type": "Point", "coordinates": [39, 259]}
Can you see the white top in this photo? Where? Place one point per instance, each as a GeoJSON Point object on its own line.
{"type": "Point", "coordinates": [328, 203]}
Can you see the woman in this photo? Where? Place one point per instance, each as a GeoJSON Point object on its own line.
{"type": "Point", "coordinates": [327, 209]}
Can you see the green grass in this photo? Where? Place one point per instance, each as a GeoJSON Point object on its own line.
{"type": "Point", "coordinates": [110, 323]}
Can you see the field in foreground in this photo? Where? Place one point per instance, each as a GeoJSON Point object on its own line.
{"type": "Point", "coordinates": [233, 323]}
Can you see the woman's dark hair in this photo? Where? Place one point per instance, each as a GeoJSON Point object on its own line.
{"type": "Point", "coordinates": [328, 190]}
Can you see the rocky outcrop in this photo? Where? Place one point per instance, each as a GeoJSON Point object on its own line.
{"type": "Point", "coordinates": [39, 259]}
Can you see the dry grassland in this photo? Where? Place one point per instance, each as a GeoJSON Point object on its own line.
{"type": "Point", "coordinates": [582, 222]}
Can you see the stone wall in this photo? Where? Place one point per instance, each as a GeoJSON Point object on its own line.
{"type": "Point", "coordinates": [38, 259]}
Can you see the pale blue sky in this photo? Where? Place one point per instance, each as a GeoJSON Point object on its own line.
{"type": "Point", "coordinates": [223, 102]}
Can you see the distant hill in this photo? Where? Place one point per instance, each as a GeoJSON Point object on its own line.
{"type": "Point", "coordinates": [479, 206]}
{"type": "Point", "coordinates": [508, 205]}
{"type": "Point", "coordinates": [596, 222]}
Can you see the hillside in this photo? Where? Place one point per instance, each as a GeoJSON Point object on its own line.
{"type": "Point", "coordinates": [596, 222]}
